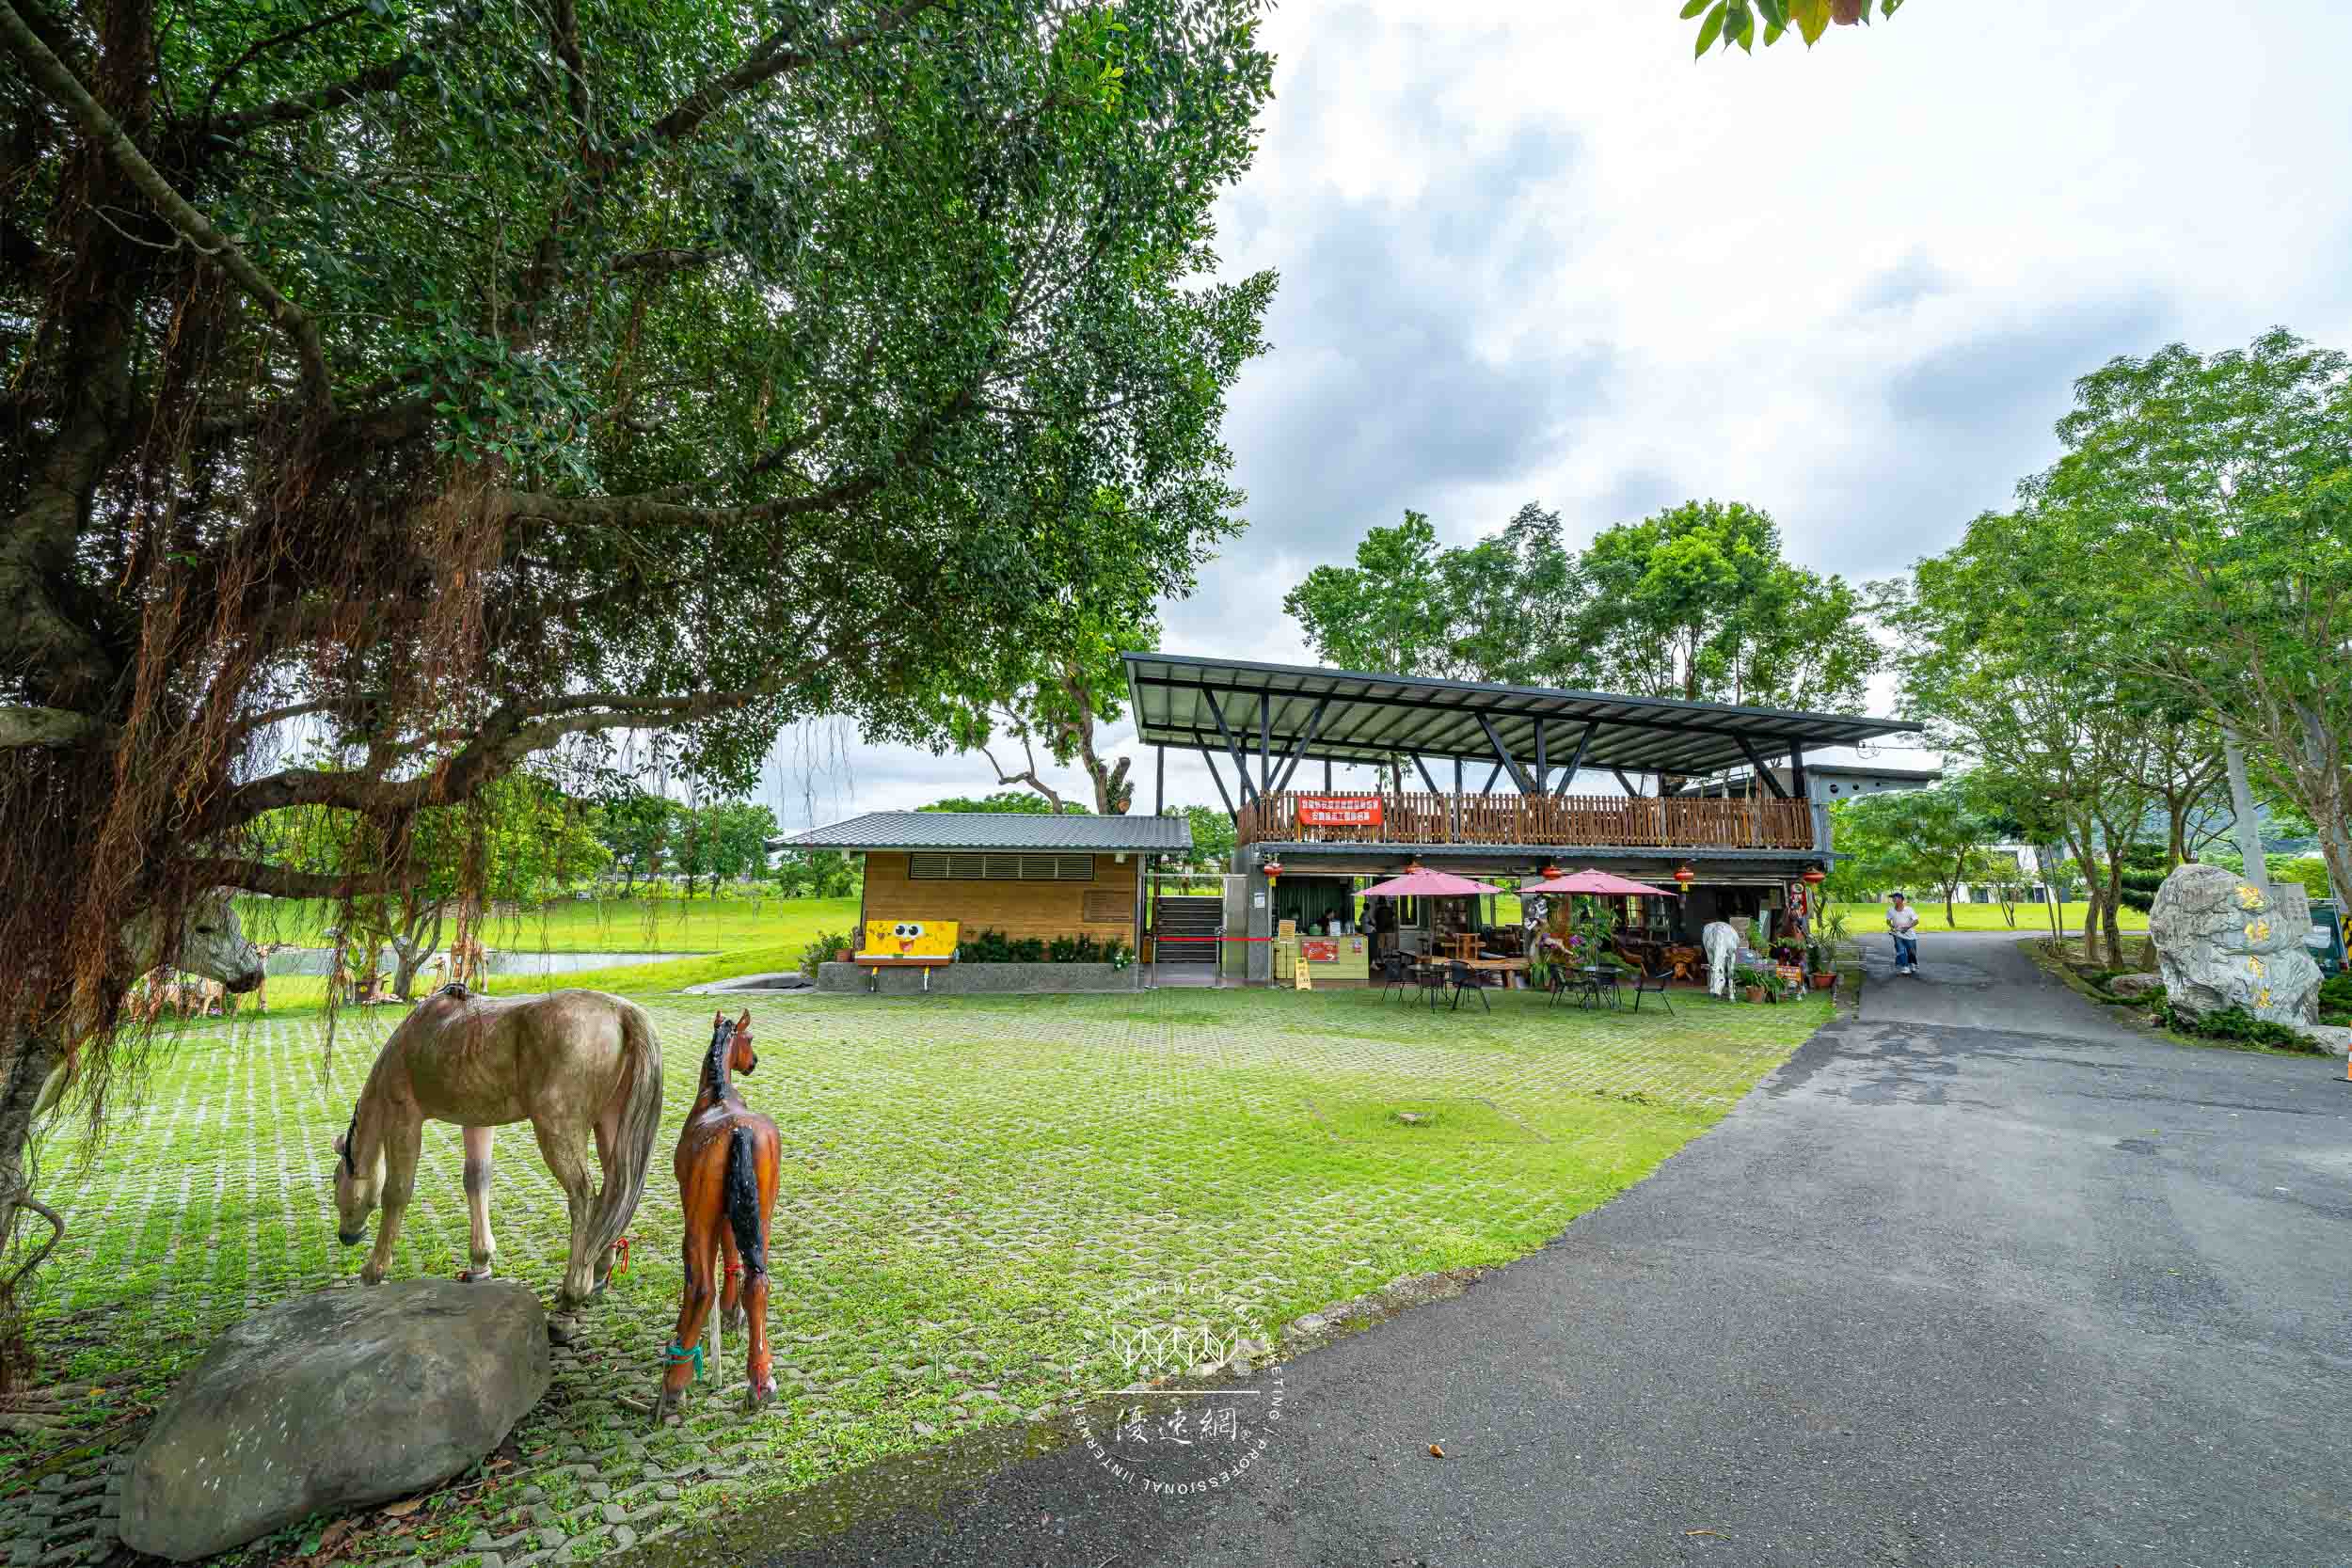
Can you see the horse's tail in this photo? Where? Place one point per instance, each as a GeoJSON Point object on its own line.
{"type": "Point", "coordinates": [742, 1194]}
{"type": "Point", "coordinates": [641, 1124]}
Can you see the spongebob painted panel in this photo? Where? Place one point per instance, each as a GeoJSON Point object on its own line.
{"type": "Point", "coordinates": [910, 938]}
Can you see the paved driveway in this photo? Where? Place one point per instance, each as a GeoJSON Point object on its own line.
{"type": "Point", "coordinates": [1979, 1278]}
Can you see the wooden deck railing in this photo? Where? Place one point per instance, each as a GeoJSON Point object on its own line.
{"type": "Point", "coordinates": [1416, 818]}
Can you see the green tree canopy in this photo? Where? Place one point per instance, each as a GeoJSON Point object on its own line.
{"type": "Point", "coordinates": [1052, 691]}
{"type": "Point", "coordinates": [2214, 494]}
{"type": "Point", "coordinates": [1213, 837]}
{"type": "Point", "coordinates": [625, 378]}
{"type": "Point", "coordinates": [521, 839]}
{"type": "Point", "coordinates": [1699, 602]}
{"type": "Point", "coordinates": [1389, 611]}
{"type": "Point", "coordinates": [1727, 22]}
{"type": "Point", "coordinates": [1696, 602]}
{"type": "Point", "coordinates": [1021, 803]}
{"type": "Point", "coordinates": [1919, 841]}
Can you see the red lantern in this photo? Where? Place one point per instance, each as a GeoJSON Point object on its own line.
{"type": "Point", "coordinates": [1550, 872]}
{"type": "Point", "coordinates": [1814, 876]}
{"type": "Point", "coordinates": [1273, 869]}
{"type": "Point", "coordinates": [1685, 875]}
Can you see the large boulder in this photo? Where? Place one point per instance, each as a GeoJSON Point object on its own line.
{"type": "Point", "coordinates": [332, 1401]}
{"type": "Point", "coordinates": [2223, 942]}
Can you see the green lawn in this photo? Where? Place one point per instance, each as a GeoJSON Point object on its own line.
{"type": "Point", "coordinates": [1865, 919]}
{"type": "Point", "coordinates": [971, 1187]}
{"type": "Point", "coordinates": [666, 925]}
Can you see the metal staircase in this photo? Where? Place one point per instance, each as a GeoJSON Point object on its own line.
{"type": "Point", "coordinates": [1186, 915]}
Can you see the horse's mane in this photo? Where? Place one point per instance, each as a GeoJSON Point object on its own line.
{"type": "Point", "coordinates": [715, 1061]}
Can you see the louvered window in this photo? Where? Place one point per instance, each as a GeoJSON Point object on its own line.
{"type": "Point", "coordinates": [997, 866]}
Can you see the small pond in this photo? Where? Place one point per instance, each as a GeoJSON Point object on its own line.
{"type": "Point", "coordinates": [317, 960]}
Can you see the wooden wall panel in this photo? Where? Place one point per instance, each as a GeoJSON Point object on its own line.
{"type": "Point", "coordinates": [1046, 910]}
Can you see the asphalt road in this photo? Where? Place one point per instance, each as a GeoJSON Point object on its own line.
{"type": "Point", "coordinates": [1977, 1279]}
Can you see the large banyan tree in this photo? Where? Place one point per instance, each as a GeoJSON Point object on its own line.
{"type": "Point", "coordinates": [466, 379]}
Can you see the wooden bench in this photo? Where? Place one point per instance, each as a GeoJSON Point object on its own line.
{"type": "Point", "coordinates": [874, 963]}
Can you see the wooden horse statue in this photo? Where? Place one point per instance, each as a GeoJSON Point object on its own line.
{"type": "Point", "coordinates": [726, 1183]}
{"type": "Point", "coordinates": [571, 1062]}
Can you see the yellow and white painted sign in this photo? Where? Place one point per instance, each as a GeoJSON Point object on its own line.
{"type": "Point", "coordinates": [909, 938]}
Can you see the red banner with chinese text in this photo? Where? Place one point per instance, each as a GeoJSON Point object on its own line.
{"type": "Point", "coordinates": [1339, 810]}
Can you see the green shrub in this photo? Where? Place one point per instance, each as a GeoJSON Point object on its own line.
{"type": "Point", "coordinates": [986, 945]}
{"type": "Point", "coordinates": [1029, 950]}
{"type": "Point", "coordinates": [821, 951]}
{"type": "Point", "coordinates": [2335, 994]}
{"type": "Point", "coordinates": [2238, 1027]}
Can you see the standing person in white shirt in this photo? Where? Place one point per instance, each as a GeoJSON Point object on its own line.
{"type": "Point", "coordinates": [1902, 922]}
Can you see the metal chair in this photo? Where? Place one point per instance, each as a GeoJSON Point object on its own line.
{"type": "Point", "coordinates": [1649, 983]}
{"type": "Point", "coordinates": [1430, 974]}
{"type": "Point", "coordinates": [1462, 977]}
{"type": "Point", "coordinates": [1394, 970]}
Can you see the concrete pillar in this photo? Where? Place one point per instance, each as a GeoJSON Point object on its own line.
{"type": "Point", "coordinates": [1256, 918]}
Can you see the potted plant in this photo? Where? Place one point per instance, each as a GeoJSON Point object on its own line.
{"type": "Point", "coordinates": [1750, 984]}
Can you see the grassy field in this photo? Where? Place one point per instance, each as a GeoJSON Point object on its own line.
{"type": "Point", "coordinates": [973, 1187]}
{"type": "Point", "coordinates": [1865, 919]}
{"type": "Point", "coordinates": [667, 925]}
{"type": "Point", "coordinates": [299, 996]}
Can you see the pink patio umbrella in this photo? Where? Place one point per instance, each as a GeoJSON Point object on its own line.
{"type": "Point", "coordinates": [1418, 881]}
{"type": "Point", "coordinates": [1600, 884]}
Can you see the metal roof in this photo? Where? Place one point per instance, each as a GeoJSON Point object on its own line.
{"type": "Point", "coordinates": [1219, 705]}
{"type": "Point", "coordinates": [991, 830]}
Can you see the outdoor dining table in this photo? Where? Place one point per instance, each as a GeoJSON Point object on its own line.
{"type": "Point", "coordinates": [1590, 980]}
{"type": "Point", "coordinates": [1505, 967]}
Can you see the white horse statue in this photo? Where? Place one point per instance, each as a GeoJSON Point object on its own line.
{"type": "Point", "coordinates": [574, 1064]}
{"type": "Point", "coordinates": [1721, 939]}
{"type": "Point", "coordinates": [211, 943]}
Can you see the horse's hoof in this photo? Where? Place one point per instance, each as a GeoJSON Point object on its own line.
{"type": "Point", "coordinates": [473, 1276]}
{"type": "Point", "coordinates": [736, 1322]}
{"type": "Point", "coordinates": [559, 1332]}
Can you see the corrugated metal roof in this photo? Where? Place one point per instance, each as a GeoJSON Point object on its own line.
{"type": "Point", "coordinates": [986, 830]}
{"type": "Point", "coordinates": [1291, 713]}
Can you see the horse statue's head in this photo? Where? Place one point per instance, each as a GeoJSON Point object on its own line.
{"type": "Point", "coordinates": [730, 1049]}
{"type": "Point", "coordinates": [209, 943]}
{"type": "Point", "coordinates": [356, 1190]}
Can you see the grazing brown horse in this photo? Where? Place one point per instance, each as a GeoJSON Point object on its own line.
{"type": "Point", "coordinates": [726, 1186]}
{"type": "Point", "coordinates": [571, 1062]}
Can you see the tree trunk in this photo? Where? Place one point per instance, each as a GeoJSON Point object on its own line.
{"type": "Point", "coordinates": [2091, 922]}
{"type": "Point", "coordinates": [411, 948]}
{"type": "Point", "coordinates": [2249, 831]}
{"type": "Point", "coordinates": [28, 1069]}
{"type": "Point", "coordinates": [2111, 905]}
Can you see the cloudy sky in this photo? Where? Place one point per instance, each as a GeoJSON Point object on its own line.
{"type": "Point", "coordinates": [1533, 251]}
